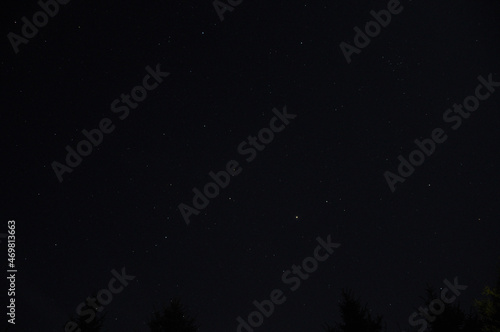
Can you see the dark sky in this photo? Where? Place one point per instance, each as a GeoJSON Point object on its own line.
{"type": "Point", "coordinates": [322, 175]}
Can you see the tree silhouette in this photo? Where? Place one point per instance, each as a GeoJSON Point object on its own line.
{"type": "Point", "coordinates": [489, 308]}
{"type": "Point", "coordinates": [172, 319]}
{"type": "Point", "coordinates": [355, 317]}
{"type": "Point", "coordinates": [453, 318]}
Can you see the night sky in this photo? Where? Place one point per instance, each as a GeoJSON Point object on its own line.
{"type": "Point", "coordinates": [216, 85]}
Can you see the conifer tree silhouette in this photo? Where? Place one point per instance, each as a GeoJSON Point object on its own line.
{"type": "Point", "coordinates": [489, 308]}
{"type": "Point", "coordinates": [355, 317]}
{"type": "Point", "coordinates": [453, 318]}
{"type": "Point", "coordinates": [172, 319]}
